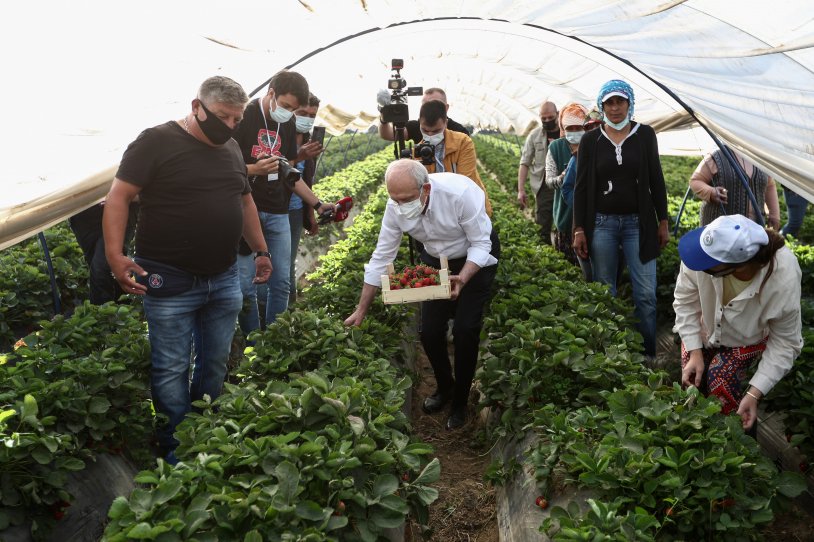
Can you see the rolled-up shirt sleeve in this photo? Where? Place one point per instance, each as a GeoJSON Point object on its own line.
{"type": "Point", "coordinates": [477, 227]}
{"type": "Point", "coordinates": [386, 248]}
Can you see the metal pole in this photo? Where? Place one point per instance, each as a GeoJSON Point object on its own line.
{"type": "Point", "coordinates": [324, 150]}
{"type": "Point", "coordinates": [345, 157]}
{"type": "Point", "coordinates": [727, 152]}
{"type": "Point", "coordinates": [50, 265]}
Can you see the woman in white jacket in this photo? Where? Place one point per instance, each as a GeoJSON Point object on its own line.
{"type": "Point", "coordinates": [737, 296]}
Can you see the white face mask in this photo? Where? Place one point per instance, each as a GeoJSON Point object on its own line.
{"type": "Point", "coordinates": [618, 125]}
{"type": "Point", "coordinates": [434, 139]}
{"type": "Point", "coordinates": [574, 137]}
{"type": "Point", "coordinates": [304, 124]}
{"type": "Point", "coordinates": [280, 114]}
{"type": "Point", "coordinates": [411, 209]}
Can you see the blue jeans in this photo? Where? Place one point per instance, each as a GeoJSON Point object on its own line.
{"type": "Point", "coordinates": [206, 312]}
{"type": "Point", "coordinates": [295, 218]}
{"type": "Point", "coordinates": [796, 206]}
{"type": "Point", "coordinates": [249, 317]}
{"type": "Point", "coordinates": [277, 233]}
{"type": "Point", "coordinates": [611, 231]}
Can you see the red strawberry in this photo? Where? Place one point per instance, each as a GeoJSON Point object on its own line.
{"type": "Point", "coordinates": [541, 502]}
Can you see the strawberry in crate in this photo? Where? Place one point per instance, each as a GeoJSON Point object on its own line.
{"type": "Point", "coordinates": [414, 277]}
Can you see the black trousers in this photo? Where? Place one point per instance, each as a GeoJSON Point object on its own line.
{"type": "Point", "coordinates": [87, 227]}
{"type": "Point", "coordinates": [467, 314]}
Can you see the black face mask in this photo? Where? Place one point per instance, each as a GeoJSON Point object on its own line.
{"type": "Point", "coordinates": [217, 131]}
{"type": "Point", "coordinates": [550, 125]}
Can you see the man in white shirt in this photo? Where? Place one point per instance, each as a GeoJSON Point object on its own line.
{"type": "Point", "coordinates": [446, 212]}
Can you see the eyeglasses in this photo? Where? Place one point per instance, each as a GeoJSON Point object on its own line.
{"type": "Point", "coordinates": [721, 272]}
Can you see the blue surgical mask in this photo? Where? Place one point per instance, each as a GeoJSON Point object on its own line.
{"type": "Point", "coordinates": [574, 137]}
{"type": "Point", "coordinates": [434, 139]}
{"type": "Point", "coordinates": [304, 124]}
{"type": "Point", "coordinates": [280, 114]}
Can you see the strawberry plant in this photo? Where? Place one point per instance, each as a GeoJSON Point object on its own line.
{"type": "Point", "coordinates": [25, 288]}
{"type": "Point", "coordinates": [75, 387]}
{"type": "Point", "coordinates": [657, 447]}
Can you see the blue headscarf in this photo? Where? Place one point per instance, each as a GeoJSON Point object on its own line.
{"type": "Point", "coordinates": [616, 85]}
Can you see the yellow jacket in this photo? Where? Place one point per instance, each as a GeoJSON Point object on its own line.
{"type": "Point", "coordinates": [460, 157]}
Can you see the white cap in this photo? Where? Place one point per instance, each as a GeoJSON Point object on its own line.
{"type": "Point", "coordinates": [727, 239]}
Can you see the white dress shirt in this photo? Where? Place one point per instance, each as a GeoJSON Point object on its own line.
{"type": "Point", "coordinates": [455, 225]}
{"type": "Point", "coordinates": [702, 320]}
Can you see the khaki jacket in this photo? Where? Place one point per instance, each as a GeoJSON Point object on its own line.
{"type": "Point", "coordinates": [460, 157]}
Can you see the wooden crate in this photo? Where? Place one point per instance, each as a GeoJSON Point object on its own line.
{"type": "Point", "coordinates": [414, 295]}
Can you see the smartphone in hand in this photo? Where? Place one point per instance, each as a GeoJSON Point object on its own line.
{"type": "Point", "coordinates": [318, 134]}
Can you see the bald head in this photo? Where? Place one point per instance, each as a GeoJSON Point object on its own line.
{"type": "Point", "coordinates": [404, 179]}
{"type": "Point", "coordinates": [548, 112]}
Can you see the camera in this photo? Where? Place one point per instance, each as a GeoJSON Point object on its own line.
{"type": "Point", "coordinates": [396, 111]}
{"type": "Point", "coordinates": [287, 173]}
{"type": "Point", "coordinates": [423, 151]}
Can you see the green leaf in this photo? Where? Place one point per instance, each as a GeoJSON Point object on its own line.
{"type": "Point", "coordinates": [356, 424]}
{"type": "Point", "coordinates": [72, 463]}
{"type": "Point", "coordinates": [289, 480]}
{"type": "Point", "coordinates": [253, 536]}
{"type": "Point", "coordinates": [311, 511]}
{"type": "Point", "coordinates": [385, 484]}
{"type": "Point", "coordinates": [430, 474]}
{"type": "Point", "coordinates": [166, 490]}
{"type": "Point", "coordinates": [41, 455]}
{"type": "Point", "coordinates": [6, 414]}
{"type": "Point", "coordinates": [791, 484]}
{"type": "Point", "coordinates": [118, 508]}
{"type": "Point", "coordinates": [98, 405]}
{"type": "Point", "coordinates": [427, 495]}
{"type": "Point", "coordinates": [141, 531]}
{"type": "Point", "coordinates": [147, 477]}
{"type": "Point", "coordinates": [29, 411]}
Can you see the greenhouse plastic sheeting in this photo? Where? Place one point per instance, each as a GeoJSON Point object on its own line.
{"type": "Point", "coordinates": [82, 79]}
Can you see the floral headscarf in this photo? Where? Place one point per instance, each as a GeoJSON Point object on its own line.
{"type": "Point", "coordinates": [618, 87]}
{"type": "Point", "coordinates": [572, 114]}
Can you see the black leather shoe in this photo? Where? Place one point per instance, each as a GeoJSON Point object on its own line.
{"type": "Point", "coordinates": [457, 419]}
{"type": "Point", "coordinates": [435, 402]}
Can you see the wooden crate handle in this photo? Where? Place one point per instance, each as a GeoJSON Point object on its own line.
{"type": "Point", "coordinates": [444, 262]}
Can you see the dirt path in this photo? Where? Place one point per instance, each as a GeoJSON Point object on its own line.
{"type": "Point", "coordinates": [465, 509]}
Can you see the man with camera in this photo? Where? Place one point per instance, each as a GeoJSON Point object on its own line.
{"type": "Point", "coordinates": [267, 139]}
{"type": "Point", "coordinates": [532, 160]}
{"type": "Point", "coordinates": [195, 203]}
{"type": "Point", "coordinates": [412, 129]}
{"type": "Point", "coordinates": [440, 149]}
{"type": "Point", "coordinates": [445, 212]}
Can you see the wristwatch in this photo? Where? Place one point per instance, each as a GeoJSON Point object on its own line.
{"type": "Point", "coordinates": [262, 253]}
{"type": "Point", "coordinates": [317, 205]}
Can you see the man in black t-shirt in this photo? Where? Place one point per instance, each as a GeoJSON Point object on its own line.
{"type": "Point", "coordinates": [195, 203]}
{"type": "Point", "coordinates": [268, 132]}
{"type": "Point", "coordinates": [413, 130]}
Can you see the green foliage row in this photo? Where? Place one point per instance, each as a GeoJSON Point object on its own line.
{"type": "Point", "coordinates": [605, 423]}
{"type": "Point", "coordinates": [25, 288]}
{"type": "Point", "coordinates": [345, 150]}
{"type": "Point", "coordinates": [312, 444]}
{"type": "Point", "coordinates": [665, 455]}
{"type": "Point", "coordinates": [76, 387]}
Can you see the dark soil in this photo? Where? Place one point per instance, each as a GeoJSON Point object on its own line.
{"type": "Point", "coordinates": [465, 509]}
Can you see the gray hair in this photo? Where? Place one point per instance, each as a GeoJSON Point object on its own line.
{"type": "Point", "coordinates": [414, 168]}
{"type": "Point", "coordinates": [222, 90]}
